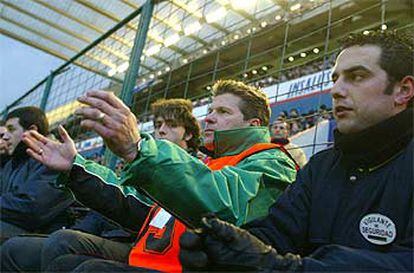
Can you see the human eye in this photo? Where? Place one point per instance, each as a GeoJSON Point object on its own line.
{"type": "Point", "coordinates": [157, 125]}
{"type": "Point", "coordinates": [223, 111]}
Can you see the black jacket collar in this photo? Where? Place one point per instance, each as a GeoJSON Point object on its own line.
{"type": "Point", "coordinates": [376, 144]}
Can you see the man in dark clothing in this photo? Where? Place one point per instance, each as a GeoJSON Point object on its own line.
{"type": "Point", "coordinates": [351, 207]}
{"type": "Point", "coordinates": [63, 250]}
{"type": "Point", "coordinates": [28, 202]}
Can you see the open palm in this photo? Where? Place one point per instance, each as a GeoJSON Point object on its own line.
{"type": "Point", "coordinates": [54, 154]}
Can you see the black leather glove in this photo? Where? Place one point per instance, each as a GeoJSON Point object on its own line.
{"type": "Point", "coordinates": [220, 246]}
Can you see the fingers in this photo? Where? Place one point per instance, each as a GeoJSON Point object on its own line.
{"type": "Point", "coordinates": [193, 259]}
{"type": "Point", "coordinates": [223, 230]}
{"type": "Point", "coordinates": [91, 113]}
{"type": "Point", "coordinates": [64, 134]}
{"type": "Point", "coordinates": [100, 104]}
{"type": "Point", "coordinates": [35, 155]}
{"type": "Point", "coordinates": [98, 96]}
{"type": "Point", "coordinates": [190, 240]}
{"type": "Point", "coordinates": [36, 135]}
{"type": "Point", "coordinates": [96, 126]}
{"type": "Point", "coordinates": [32, 142]}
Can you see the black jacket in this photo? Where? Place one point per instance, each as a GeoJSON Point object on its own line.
{"type": "Point", "coordinates": [28, 199]}
{"type": "Point", "coordinates": [358, 194]}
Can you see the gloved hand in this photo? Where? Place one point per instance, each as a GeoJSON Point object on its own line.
{"type": "Point", "coordinates": [224, 247]}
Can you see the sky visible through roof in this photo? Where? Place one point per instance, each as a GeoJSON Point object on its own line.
{"type": "Point", "coordinates": [21, 68]}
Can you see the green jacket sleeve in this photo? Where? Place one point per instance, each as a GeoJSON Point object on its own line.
{"type": "Point", "coordinates": [107, 176]}
{"type": "Point", "coordinates": [189, 189]}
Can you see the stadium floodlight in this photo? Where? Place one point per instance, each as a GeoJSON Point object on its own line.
{"type": "Point", "coordinates": [384, 27]}
{"type": "Point", "coordinates": [159, 73]}
{"type": "Point", "coordinates": [245, 75]}
{"type": "Point", "coordinates": [153, 50]}
{"type": "Point", "coordinates": [263, 24]}
{"type": "Point", "coordinates": [216, 15]}
{"type": "Point", "coordinates": [254, 71]}
{"type": "Point", "coordinates": [223, 43]}
{"type": "Point", "coordinates": [265, 68]}
{"type": "Point", "coordinates": [291, 59]}
{"type": "Point", "coordinates": [185, 60]}
{"type": "Point", "coordinates": [208, 87]}
{"type": "Point", "coordinates": [316, 50]}
{"type": "Point", "coordinates": [171, 39]}
{"type": "Point", "coordinates": [236, 36]}
{"type": "Point", "coordinates": [278, 17]}
{"type": "Point", "coordinates": [123, 67]}
{"type": "Point", "coordinates": [295, 7]}
{"type": "Point", "coordinates": [205, 51]}
{"type": "Point", "coordinates": [152, 76]}
{"type": "Point", "coordinates": [192, 28]}
{"type": "Point", "coordinates": [167, 69]}
{"type": "Point", "coordinates": [303, 54]}
{"type": "Point", "coordinates": [242, 4]}
{"type": "Point", "coordinates": [365, 32]}
{"type": "Point", "coordinates": [112, 72]}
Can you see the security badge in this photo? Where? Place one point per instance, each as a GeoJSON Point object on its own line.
{"type": "Point", "coordinates": [377, 229]}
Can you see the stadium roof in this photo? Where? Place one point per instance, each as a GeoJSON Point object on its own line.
{"type": "Point", "coordinates": [179, 28]}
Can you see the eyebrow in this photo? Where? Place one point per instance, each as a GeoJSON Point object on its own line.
{"type": "Point", "coordinates": [351, 69]}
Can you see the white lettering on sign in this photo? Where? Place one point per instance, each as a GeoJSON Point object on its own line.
{"type": "Point", "coordinates": [377, 229]}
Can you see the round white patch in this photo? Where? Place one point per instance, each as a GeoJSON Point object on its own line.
{"type": "Point", "coordinates": [377, 229]}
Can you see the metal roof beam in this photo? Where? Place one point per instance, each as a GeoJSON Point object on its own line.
{"type": "Point", "coordinates": [168, 23]}
{"type": "Point", "coordinates": [130, 26]}
{"type": "Point", "coordinates": [52, 52]}
{"type": "Point", "coordinates": [241, 13]}
{"type": "Point", "coordinates": [83, 38]}
{"type": "Point", "coordinates": [47, 37]}
{"type": "Point", "coordinates": [83, 23]}
{"type": "Point", "coordinates": [184, 7]}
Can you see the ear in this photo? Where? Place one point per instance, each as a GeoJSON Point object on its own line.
{"type": "Point", "coordinates": [405, 91]}
{"type": "Point", "coordinates": [187, 136]}
{"type": "Point", "coordinates": [255, 122]}
{"type": "Point", "coordinates": [33, 127]}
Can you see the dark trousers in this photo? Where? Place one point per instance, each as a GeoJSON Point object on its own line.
{"type": "Point", "coordinates": [90, 264]}
{"type": "Point", "coordinates": [21, 254]}
{"type": "Point", "coordinates": [9, 230]}
{"type": "Point", "coordinates": [79, 246]}
{"type": "Point", "coordinates": [36, 253]}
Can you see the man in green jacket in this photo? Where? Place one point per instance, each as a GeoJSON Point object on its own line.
{"type": "Point", "coordinates": [236, 123]}
{"type": "Point", "coordinates": [244, 176]}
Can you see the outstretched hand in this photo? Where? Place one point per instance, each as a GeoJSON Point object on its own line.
{"type": "Point", "coordinates": [110, 118]}
{"type": "Point", "coordinates": [224, 247]}
{"type": "Point", "coordinates": [54, 154]}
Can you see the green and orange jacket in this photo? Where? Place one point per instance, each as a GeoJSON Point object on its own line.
{"type": "Point", "coordinates": [188, 188]}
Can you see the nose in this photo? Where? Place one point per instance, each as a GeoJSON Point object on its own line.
{"type": "Point", "coordinates": [210, 118]}
{"type": "Point", "coordinates": [162, 131]}
{"type": "Point", "coordinates": [338, 89]}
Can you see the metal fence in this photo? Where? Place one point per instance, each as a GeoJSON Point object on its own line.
{"type": "Point", "coordinates": [265, 53]}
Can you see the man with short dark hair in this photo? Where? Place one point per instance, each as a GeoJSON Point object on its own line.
{"type": "Point", "coordinates": [351, 207]}
{"type": "Point", "coordinates": [280, 135]}
{"type": "Point", "coordinates": [28, 202]}
{"type": "Point", "coordinates": [98, 188]}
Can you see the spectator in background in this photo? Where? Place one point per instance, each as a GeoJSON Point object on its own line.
{"type": "Point", "coordinates": [3, 144]}
{"type": "Point", "coordinates": [28, 202]}
{"type": "Point", "coordinates": [280, 135]}
{"type": "Point", "coordinates": [294, 121]}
